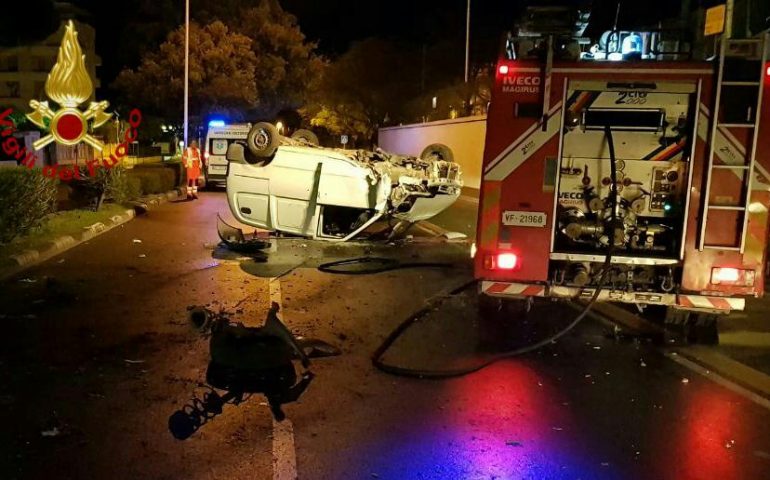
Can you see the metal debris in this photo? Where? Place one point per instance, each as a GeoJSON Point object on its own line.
{"type": "Point", "coordinates": [685, 380]}
{"type": "Point", "coordinates": [54, 432]}
{"type": "Point", "coordinates": [513, 443]}
{"type": "Point", "coordinates": [136, 240]}
{"type": "Point", "coordinates": [142, 256]}
{"type": "Point", "coordinates": [27, 280]}
{"type": "Point", "coordinates": [455, 236]}
{"type": "Point", "coordinates": [133, 362]}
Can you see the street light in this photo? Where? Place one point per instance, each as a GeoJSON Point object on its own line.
{"type": "Point", "coordinates": [467, 40]}
{"type": "Point", "coordinates": [187, 64]}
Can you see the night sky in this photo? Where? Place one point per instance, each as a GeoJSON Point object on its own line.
{"type": "Point", "coordinates": [334, 24]}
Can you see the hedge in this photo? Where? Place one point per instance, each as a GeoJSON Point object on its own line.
{"type": "Point", "coordinates": [153, 179]}
{"type": "Point", "coordinates": [26, 197]}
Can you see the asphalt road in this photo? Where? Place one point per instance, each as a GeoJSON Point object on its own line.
{"type": "Point", "coordinates": [97, 353]}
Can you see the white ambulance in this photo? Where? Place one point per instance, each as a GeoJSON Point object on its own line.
{"type": "Point", "coordinates": [218, 138]}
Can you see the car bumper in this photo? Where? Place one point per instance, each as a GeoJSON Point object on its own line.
{"type": "Point", "coordinates": [679, 301]}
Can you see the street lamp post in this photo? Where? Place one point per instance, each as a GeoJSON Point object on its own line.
{"type": "Point", "coordinates": [187, 65]}
{"type": "Point", "coordinates": [467, 39]}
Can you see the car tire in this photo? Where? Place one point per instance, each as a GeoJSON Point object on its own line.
{"type": "Point", "coordinates": [263, 140]}
{"type": "Point", "coordinates": [305, 136]}
{"type": "Point", "coordinates": [438, 150]}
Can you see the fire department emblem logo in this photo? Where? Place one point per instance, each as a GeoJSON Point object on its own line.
{"type": "Point", "coordinates": [69, 85]}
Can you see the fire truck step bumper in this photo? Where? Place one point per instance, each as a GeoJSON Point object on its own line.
{"type": "Point", "coordinates": [685, 302]}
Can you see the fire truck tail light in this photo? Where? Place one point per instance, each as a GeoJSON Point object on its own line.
{"type": "Point", "coordinates": [503, 69]}
{"type": "Point", "coordinates": [502, 261]}
{"type": "Point", "coordinates": [732, 276]}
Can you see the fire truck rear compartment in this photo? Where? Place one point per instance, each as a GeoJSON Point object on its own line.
{"type": "Point", "coordinates": [652, 129]}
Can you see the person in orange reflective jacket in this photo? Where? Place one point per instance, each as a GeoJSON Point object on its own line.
{"type": "Point", "coordinates": [191, 159]}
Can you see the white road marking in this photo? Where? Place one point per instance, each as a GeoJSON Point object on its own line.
{"type": "Point", "coordinates": [284, 452]}
{"type": "Point", "coordinates": [716, 378]}
{"type": "Point", "coordinates": [275, 291]}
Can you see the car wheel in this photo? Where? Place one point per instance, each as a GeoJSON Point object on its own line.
{"type": "Point", "coordinates": [263, 140]}
{"type": "Point", "coordinates": [439, 150]}
{"type": "Point", "coordinates": [305, 136]}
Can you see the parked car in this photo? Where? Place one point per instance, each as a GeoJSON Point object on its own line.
{"type": "Point", "coordinates": [292, 185]}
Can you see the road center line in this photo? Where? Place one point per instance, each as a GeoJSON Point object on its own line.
{"type": "Point", "coordinates": [284, 452]}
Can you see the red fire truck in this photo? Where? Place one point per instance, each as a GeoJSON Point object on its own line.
{"type": "Point", "coordinates": [683, 145]}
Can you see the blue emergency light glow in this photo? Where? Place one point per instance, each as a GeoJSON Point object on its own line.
{"type": "Point", "coordinates": [216, 123]}
{"type": "Point", "coordinates": [667, 207]}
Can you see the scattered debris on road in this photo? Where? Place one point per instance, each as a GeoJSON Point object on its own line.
{"type": "Point", "coordinates": [513, 443]}
{"type": "Point", "coordinates": [53, 432]}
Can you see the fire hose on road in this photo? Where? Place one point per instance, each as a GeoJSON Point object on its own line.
{"type": "Point", "coordinates": [385, 264]}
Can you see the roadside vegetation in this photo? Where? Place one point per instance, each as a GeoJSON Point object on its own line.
{"type": "Point", "coordinates": [35, 209]}
{"type": "Point", "coordinates": [53, 226]}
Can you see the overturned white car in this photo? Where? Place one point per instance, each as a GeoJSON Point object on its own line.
{"type": "Point", "coordinates": [293, 186]}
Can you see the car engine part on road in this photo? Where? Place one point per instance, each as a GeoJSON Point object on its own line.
{"type": "Point", "coordinates": [247, 360]}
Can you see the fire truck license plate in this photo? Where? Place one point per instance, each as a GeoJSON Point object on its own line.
{"type": "Point", "coordinates": [524, 219]}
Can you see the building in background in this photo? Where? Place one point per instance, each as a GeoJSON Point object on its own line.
{"type": "Point", "coordinates": [24, 69]}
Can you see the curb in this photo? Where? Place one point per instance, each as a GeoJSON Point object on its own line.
{"type": "Point", "coordinates": [30, 258]}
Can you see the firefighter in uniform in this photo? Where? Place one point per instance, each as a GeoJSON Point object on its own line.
{"type": "Point", "coordinates": [191, 159]}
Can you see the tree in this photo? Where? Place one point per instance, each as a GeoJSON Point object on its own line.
{"type": "Point", "coordinates": [457, 99]}
{"type": "Point", "coordinates": [222, 74]}
{"type": "Point", "coordinates": [358, 92]}
{"type": "Point", "coordinates": [286, 62]}
{"type": "Point", "coordinates": [247, 64]}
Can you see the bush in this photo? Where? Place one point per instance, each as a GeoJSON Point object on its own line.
{"type": "Point", "coordinates": [150, 183]}
{"type": "Point", "coordinates": [117, 186]}
{"type": "Point", "coordinates": [153, 179]}
{"type": "Point", "coordinates": [26, 197]}
{"type": "Point", "coordinates": [106, 184]}
{"type": "Point", "coordinates": [133, 187]}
